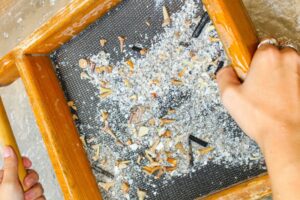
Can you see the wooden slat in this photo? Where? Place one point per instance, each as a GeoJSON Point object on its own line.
{"type": "Point", "coordinates": [254, 189]}
{"type": "Point", "coordinates": [65, 25]}
{"type": "Point", "coordinates": [7, 138]}
{"type": "Point", "coordinates": [59, 133]}
{"type": "Point", "coordinates": [8, 70]}
{"type": "Point", "coordinates": [236, 31]}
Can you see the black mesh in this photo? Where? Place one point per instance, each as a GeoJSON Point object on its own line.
{"type": "Point", "coordinates": [129, 19]}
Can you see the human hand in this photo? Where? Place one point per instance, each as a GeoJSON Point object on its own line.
{"type": "Point", "coordinates": [267, 104]}
{"type": "Point", "coordinates": [10, 187]}
{"type": "Point", "coordinates": [267, 107]}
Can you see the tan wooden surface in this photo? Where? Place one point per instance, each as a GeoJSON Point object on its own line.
{"type": "Point", "coordinates": [253, 189]}
{"type": "Point", "coordinates": [4, 5]}
{"type": "Point", "coordinates": [57, 128]}
{"type": "Point", "coordinates": [236, 31]}
{"type": "Point", "coordinates": [20, 18]}
{"type": "Point", "coordinates": [7, 138]}
{"type": "Point", "coordinates": [65, 25]}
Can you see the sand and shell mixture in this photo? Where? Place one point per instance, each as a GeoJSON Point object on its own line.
{"type": "Point", "coordinates": [159, 110]}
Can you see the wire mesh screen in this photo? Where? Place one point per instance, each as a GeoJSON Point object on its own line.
{"type": "Point", "coordinates": [129, 19]}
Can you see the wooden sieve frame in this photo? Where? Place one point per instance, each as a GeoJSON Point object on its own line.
{"type": "Point", "coordinates": [30, 61]}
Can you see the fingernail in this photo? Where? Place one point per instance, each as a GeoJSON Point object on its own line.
{"type": "Point", "coordinates": [7, 152]}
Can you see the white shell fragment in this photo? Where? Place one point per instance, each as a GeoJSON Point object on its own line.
{"type": "Point", "coordinates": [122, 42]}
{"type": "Point", "coordinates": [84, 76]}
{"type": "Point", "coordinates": [141, 194]}
{"type": "Point", "coordinates": [167, 19]}
{"type": "Point", "coordinates": [143, 131]}
{"type": "Point", "coordinates": [106, 186]}
{"type": "Point", "coordinates": [103, 42]}
{"type": "Point", "coordinates": [83, 63]}
{"type": "Point", "coordinates": [125, 187]}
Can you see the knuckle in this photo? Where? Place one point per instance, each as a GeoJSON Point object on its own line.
{"type": "Point", "coordinates": [227, 93]}
{"type": "Point", "coordinates": [224, 73]}
{"type": "Point", "coordinates": [271, 52]}
{"type": "Point", "coordinates": [231, 94]}
{"type": "Point", "coordinates": [291, 55]}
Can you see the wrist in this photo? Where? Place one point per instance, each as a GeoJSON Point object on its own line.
{"type": "Point", "coordinates": [281, 145]}
{"type": "Point", "coordinates": [281, 151]}
{"type": "Point", "coordinates": [280, 137]}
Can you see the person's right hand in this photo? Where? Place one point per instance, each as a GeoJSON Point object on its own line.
{"type": "Point", "coordinates": [267, 107]}
{"type": "Point", "coordinates": [10, 187]}
{"type": "Point", "coordinates": [267, 104]}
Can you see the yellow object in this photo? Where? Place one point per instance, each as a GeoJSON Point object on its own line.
{"type": "Point", "coordinates": [7, 139]}
{"type": "Point", "coordinates": [236, 32]}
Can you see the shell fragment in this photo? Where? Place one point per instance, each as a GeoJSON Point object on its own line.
{"type": "Point", "coordinates": [167, 19]}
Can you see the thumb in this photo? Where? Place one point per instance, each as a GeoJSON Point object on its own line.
{"type": "Point", "coordinates": [10, 165]}
{"type": "Point", "coordinates": [228, 83]}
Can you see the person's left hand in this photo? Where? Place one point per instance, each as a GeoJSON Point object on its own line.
{"type": "Point", "coordinates": [10, 187]}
